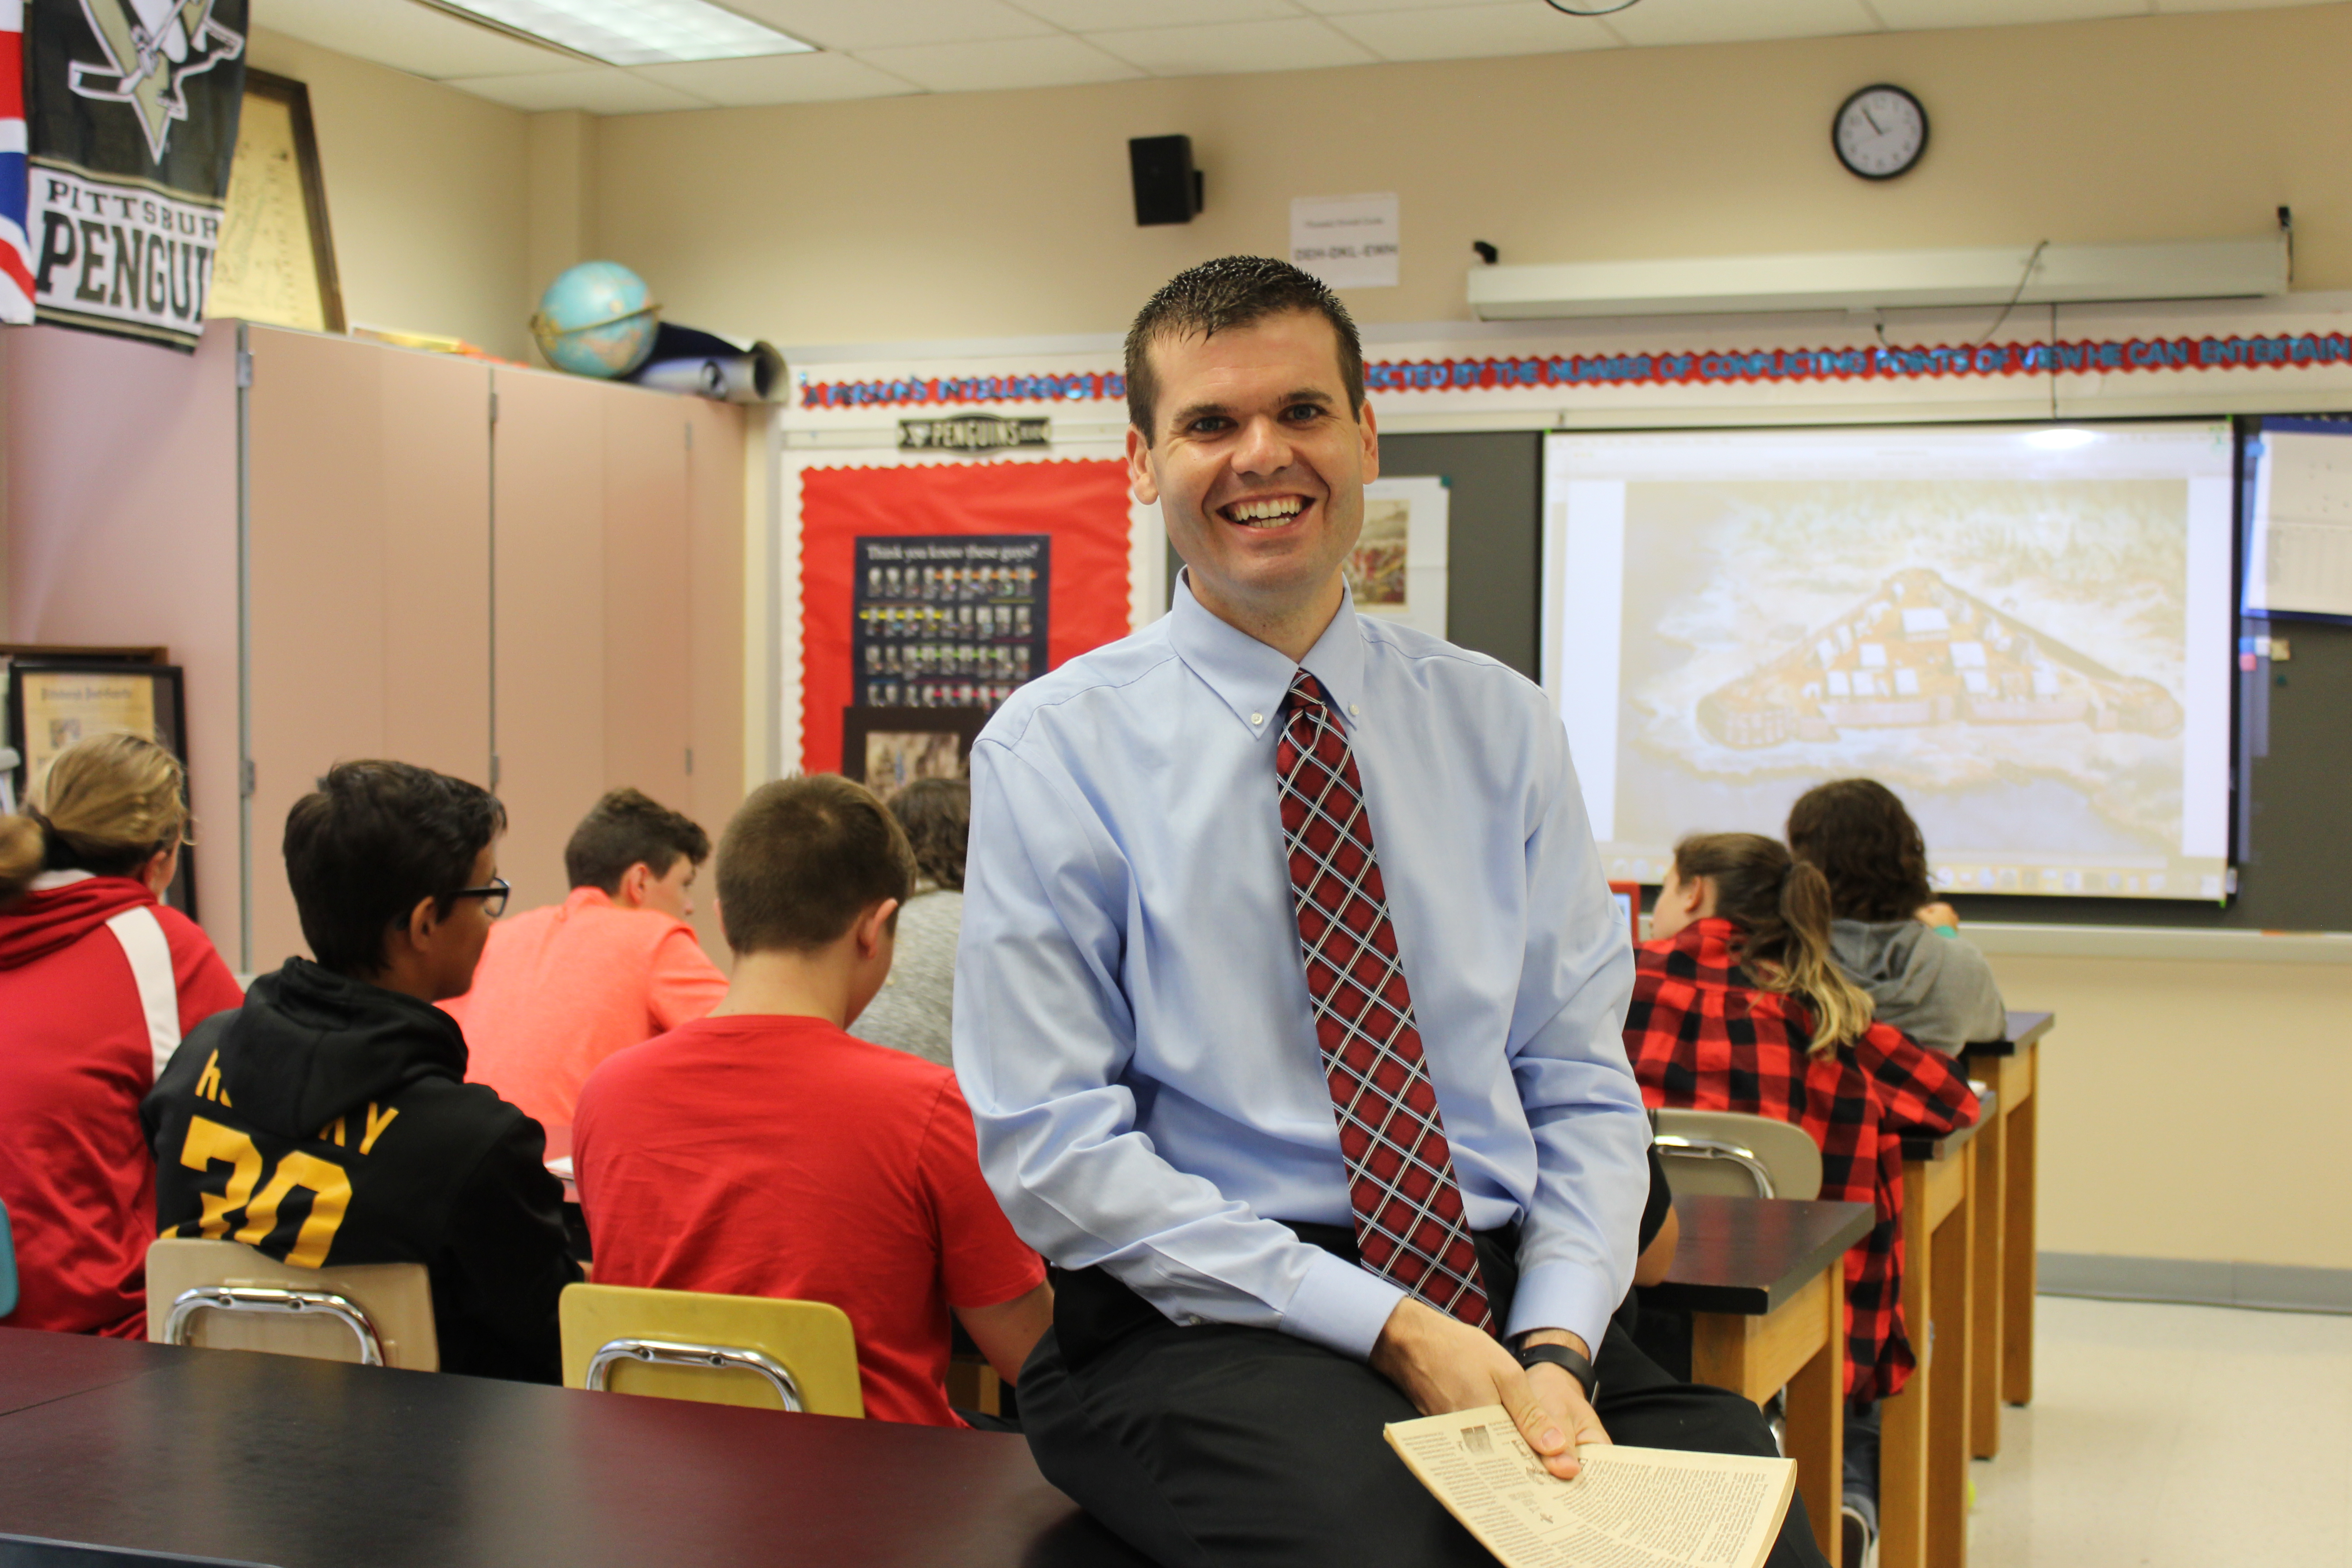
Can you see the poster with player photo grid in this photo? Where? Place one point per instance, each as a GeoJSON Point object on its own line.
{"type": "Point", "coordinates": [948, 620]}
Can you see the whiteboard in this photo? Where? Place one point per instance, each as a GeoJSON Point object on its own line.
{"type": "Point", "coordinates": [2299, 530]}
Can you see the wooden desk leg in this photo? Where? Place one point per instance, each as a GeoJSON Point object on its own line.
{"type": "Point", "coordinates": [1948, 1405]}
{"type": "Point", "coordinates": [2017, 1257]}
{"type": "Point", "coordinates": [1815, 1436]}
{"type": "Point", "coordinates": [1986, 1301]}
{"type": "Point", "coordinates": [1903, 1420]}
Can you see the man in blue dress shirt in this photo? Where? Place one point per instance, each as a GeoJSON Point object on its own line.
{"type": "Point", "coordinates": [1156, 1040]}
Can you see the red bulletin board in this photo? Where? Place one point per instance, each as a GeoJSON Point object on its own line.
{"type": "Point", "coordinates": [1082, 505]}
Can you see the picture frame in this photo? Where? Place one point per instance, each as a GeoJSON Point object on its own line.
{"type": "Point", "coordinates": [276, 257]}
{"type": "Point", "coordinates": [910, 742]}
{"type": "Point", "coordinates": [56, 700]}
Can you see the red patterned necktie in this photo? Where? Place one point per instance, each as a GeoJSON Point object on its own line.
{"type": "Point", "coordinates": [1409, 1221]}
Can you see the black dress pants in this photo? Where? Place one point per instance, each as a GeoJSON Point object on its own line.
{"type": "Point", "coordinates": [1215, 1446]}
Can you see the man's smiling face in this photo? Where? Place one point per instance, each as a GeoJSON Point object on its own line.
{"type": "Point", "coordinates": [1258, 464]}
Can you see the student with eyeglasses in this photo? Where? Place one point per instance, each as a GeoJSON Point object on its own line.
{"type": "Point", "coordinates": [328, 1120]}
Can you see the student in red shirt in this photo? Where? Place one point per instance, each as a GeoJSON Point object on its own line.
{"type": "Point", "coordinates": [765, 1152]}
{"type": "Point", "coordinates": [97, 982]}
{"type": "Point", "coordinates": [560, 988]}
{"type": "Point", "coordinates": [1739, 1005]}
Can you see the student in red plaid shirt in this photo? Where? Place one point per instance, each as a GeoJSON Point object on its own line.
{"type": "Point", "coordinates": [1739, 1005]}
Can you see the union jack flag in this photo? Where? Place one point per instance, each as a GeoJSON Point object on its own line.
{"type": "Point", "coordinates": [15, 262]}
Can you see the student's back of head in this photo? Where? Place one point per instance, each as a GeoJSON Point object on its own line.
{"type": "Point", "coordinates": [1782, 907]}
{"type": "Point", "coordinates": [109, 806]}
{"type": "Point", "coordinates": [936, 815]}
{"type": "Point", "coordinates": [804, 858]}
{"type": "Point", "coordinates": [627, 828]}
{"type": "Point", "coordinates": [1869, 850]}
{"type": "Point", "coordinates": [373, 842]}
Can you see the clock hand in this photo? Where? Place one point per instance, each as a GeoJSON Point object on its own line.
{"type": "Point", "coordinates": [1876, 128]}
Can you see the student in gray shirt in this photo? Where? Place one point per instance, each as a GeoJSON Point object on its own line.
{"type": "Point", "coordinates": [912, 1010]}
{"type": "Point", "coordinates": [1891, 935]}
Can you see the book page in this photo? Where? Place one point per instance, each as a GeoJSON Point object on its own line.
{"type": "Point", "coordinates": [1630, 1507]}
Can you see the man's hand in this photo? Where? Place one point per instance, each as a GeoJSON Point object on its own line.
{"type": "Point", "coordinates": [1938, 914]}
{"type": "Point", "coordinates": [1443, 1364]}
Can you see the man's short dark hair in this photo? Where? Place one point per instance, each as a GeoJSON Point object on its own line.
{"type": "Point", "coordinates": [373, 841]}
{"type": "Point", "coordinates": [1867, 846]}
{"type": "Point", "coordinates": [803, 858]}
{"type": "Point", "coordinates": [1231, 292]}
{"type": "Point", "coordinates": [629, 829]}
{"type": "Point", "coordinates": [936, 815]}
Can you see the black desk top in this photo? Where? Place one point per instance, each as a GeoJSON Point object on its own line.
{"type": "Point", "coordinates": [1931, 1149]}
{"type": "Point", "coordinates": [2024, 1029]}
{"type": "Point", "coordinates": [1748, 1256]}
{"type": "Point", "coordinates": [308, 1464]}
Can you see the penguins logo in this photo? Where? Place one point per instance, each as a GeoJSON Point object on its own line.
{"type": "Point", "coordinates": [151, 47]}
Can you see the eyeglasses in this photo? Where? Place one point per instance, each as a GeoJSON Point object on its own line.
{"type": "Point", "coordinates": [494, 897]}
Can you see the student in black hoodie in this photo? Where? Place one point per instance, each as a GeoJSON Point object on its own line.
{"type": "Point", "coordinates": [328, 1120]}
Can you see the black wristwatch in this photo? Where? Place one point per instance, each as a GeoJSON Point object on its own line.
{"type": "Point", "coordinates": [1566, 1358]}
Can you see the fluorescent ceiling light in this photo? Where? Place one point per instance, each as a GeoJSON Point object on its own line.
{"type": "Point", "coordinates": [633, 32]}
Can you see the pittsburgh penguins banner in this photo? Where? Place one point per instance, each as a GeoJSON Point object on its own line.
{"type": "Point", "coordinates": [130, 109]}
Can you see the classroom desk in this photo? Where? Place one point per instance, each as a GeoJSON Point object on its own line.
{"type": "Point", "coordinates": [311, 1464]}
{"type": "Point", "coordinates": [2001, 1330]}
{"type": "Point", "coordinates": [1923, 1446]}
{"type": "Point", "coordinates": [1764, 1282]}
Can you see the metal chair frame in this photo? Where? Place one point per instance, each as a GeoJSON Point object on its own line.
{"type": "Point", "coordinates": [1716, 1148]}
{"type": "Point", "coordinates": [270, 1299]}
{"type": "Point", "coordinates": [681, 1353]}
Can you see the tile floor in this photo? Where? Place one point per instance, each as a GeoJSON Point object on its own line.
{"type": "Point", "coordinates": [2174, 1437]}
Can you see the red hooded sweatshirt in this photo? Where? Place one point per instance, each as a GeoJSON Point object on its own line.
{"type": "Point", "coordinates": [97, 984]}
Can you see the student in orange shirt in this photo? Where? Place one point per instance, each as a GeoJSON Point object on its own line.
{"type": "Point", "coordinates": [560, 988]}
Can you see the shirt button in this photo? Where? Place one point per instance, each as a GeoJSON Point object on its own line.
{"type": "Point", "coordinates": [1353, 709]}
{"type": "Point", "coordinates": [1257, 717]}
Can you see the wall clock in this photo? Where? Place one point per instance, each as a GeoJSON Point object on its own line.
{"type": "Point", "coordinates": [1879, 132]}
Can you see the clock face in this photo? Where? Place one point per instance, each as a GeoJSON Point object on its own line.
{"type": "Point", "coordinates": [1879, 133]}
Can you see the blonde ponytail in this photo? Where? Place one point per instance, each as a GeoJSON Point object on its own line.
{"type": "Point", "coordinates": [21, 850]}
{"type": "Point", "coordinates": [1781, 907]}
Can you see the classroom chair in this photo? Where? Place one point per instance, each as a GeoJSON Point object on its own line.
{"type": "Point", "coordinates": [756, 1351]}
{"type": "Point", "coordinates": [226, 1296]}
{"type": "Point", "coordinates": [7, 1264]}
{"type": "Point", "coordinates": [1730, 1153]}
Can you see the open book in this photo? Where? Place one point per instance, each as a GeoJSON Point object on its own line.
{"type": "Point", "coordinates": [1629, 1508]}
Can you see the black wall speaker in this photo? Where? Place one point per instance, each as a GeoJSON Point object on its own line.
{"type": "Point", "coordinates": [1167, 186]}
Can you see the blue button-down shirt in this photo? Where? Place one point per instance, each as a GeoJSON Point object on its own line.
{"type": "Point", "coordinates": [1132, 1016]}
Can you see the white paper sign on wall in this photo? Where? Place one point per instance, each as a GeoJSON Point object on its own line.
{"type": "Point", "coordinates": [1349, 242]}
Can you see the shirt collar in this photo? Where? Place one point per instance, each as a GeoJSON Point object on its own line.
{"type": "Point", "coordinates": [1251, 678]}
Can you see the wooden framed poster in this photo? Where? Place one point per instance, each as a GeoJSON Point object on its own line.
{"type": "Point", "coordinates": [53, 702]}
{"type": "Point", "coordinates": [277, 259]}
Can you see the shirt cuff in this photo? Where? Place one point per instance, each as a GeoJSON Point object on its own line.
{"type": "Point", "coordinates": [1340, 1306]}
{"type": "Point", "coordinates": [1563, 1296]}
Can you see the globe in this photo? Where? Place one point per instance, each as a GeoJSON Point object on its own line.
{"type": "Point", "coordinates": [596, 318]}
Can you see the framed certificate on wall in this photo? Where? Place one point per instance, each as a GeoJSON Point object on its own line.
{"type": "Point", "coordinates": [54, 701]}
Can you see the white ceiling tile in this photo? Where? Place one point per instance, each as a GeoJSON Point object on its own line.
{"type": "Point", "coordinates": [1094, 16]}
{"type": "Point", "coordinates": [407, 37]}
{"type": "Point", "coordinates": [1232, 46]}
{"type": "Point", "coordinates": [1731, 21]}
{"type": "Point", "coordinates": [1911, 13]}
{"type": "Point", "coordinates": [891, 24]}
{"type": "Point", "coordinates": [607, 89]}
{"type": "Point", "coordinates": [1471, 32]}
{"type": "Point", "coordinates": [778, 78]}
{"type": "Point", "coordinates": [1058, 60]}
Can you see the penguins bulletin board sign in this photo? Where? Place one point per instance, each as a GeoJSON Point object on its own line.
{"type": "Point", "coordinates": [131, 111]}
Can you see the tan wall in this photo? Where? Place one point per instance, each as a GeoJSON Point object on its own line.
{"type": "Point", "coordinates": [1002, 213]}
{"type": "Point", "coordinates": [429, 192]}
{"type": "Point", "coordinates": [2177, 1108]}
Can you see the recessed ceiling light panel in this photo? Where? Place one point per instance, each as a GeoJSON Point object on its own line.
{"type": "Point", "coordinates": [635, 32]}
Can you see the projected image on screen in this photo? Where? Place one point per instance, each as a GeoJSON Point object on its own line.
{"type": "Point", "coordinates": [2024, 632]}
